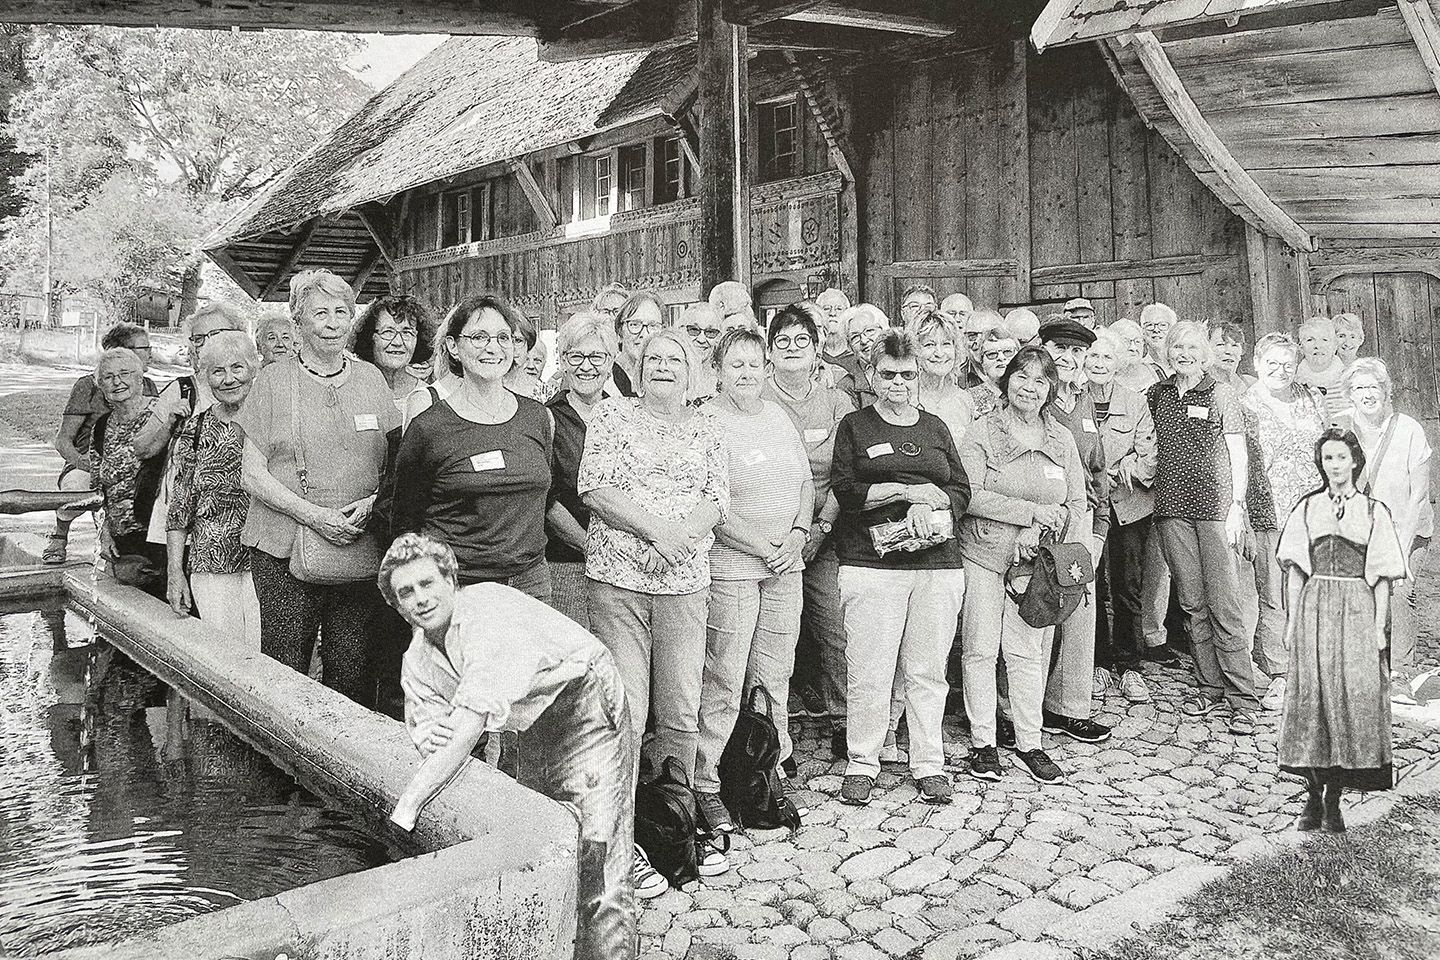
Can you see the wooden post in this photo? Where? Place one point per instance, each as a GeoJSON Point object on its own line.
{"type": "Point", "coordinates": [724, 165]}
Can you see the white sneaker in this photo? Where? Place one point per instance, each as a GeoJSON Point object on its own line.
{"type": "Point", "coordinates": [648, 881]}
{"type": "Point", "coordinates": [710, 860]}
{"type": "Point", "coordinates": [1274, 698]}
{"type": "Point", "coordinates": [1133, 687]}
{"type": "Point", "coordinates": [1103, 679]}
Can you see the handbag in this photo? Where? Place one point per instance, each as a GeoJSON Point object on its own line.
{"type": "Point", "coordinates": [749, 768]}
{"type": "Point", "coordinates": [313, 559]}
{"type": "Point", "coordinates": [1058, 576]}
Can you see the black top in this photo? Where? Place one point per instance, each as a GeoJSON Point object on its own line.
{"type": "Point", "coordinates": [621, 379]}
{"type": "Point", "coordinates": [565, 457]}
{"type": "Point", "coordinates": [868, 450]}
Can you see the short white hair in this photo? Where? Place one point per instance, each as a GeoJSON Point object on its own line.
{"type": "Point", "coordinates": [114, 354]}
{"type": "Point", "coordinates": [226, 344]}
{"type": "Point", "coordinates": [307, 282]}
{"type": "Point", "coordinates": [230, 317]}
{"type": "Point", "coordinates": [833, 293]}
{"type": "Point", "coordinates": [1350, 321]}
{"type": "Point", "coordinates": [583, 326]}
{"type": "Point", "coordinates": [1185, 328]}
{"type": "Point", "coordinates": [1318, 325]}
{"type": "Point", "coordinates": [859, 312]}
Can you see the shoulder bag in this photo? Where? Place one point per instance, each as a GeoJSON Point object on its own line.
{"type": "Point", "coordinates": [1058, 576]}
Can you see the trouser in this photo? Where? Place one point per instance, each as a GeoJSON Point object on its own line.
{"type": "Point", "coordinates": [293, 612]}
{"type": "Point", "coordinates": [1070, 681]}
{"type": "Point", "coordinates": [1118, 644]}
{"type": "Point", "coordinates": [227, 602]}
{"type": "Point", "coordinates": [1154, 590]}
{"type": "Point", "coordinates": [533, 581]}
{"type": "Point", "coordinates": [1402, 617]}
{"type": "Point", "coordinates": [581, 751]}
{"type": "Point", "coordinates": [993, 628]}
{"type": "Point", "coordinates": [568, 590]}
{"type": "Point", "coordinates": [822, 665]}
{"type": "Point", "coordinates": [750, 638]}
{"type": "Point", "coordinates": [658, 642]}
{"type": "Point", "coordinates": [72, 480]}
{"type": "Point", "coordinates": [1203, 564]}
{"type": "Point", "coordinates": [904, 617]}
{"type": "Point", "coordinates": [1271, 655]}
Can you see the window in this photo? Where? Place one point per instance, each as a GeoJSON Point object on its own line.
{"type": "Point", "coordinates": [603, 186]}
{"type": "Point", "coordinates": [778, 140]}
{"type": "Point", "coordinates": [633, 160]}
{"type": "Point", "coordinates": [670, 179]}
{"type": "Point", "coordinates": [465, 216]}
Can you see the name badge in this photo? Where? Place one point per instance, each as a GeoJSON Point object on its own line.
{"type": "Point", "coordinates": [752, 458]}
{"type": "Point", "coordinates": [817, 435]}
{"type": "Point", "coordinates": [1053, 472]}
{"type": "Point", "coordinates": [1199, 413]}
{"type": "Point", "coordinates": [366, 421]}
{"type": "Point", "coordinates": [1088, 425]}
{"type": "Point", "coordinates": [879, 450]}
{"type": "Point", "coordinates": [491, 460]}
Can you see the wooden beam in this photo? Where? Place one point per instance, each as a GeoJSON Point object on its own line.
{"type": "Point", "coordinates": [381, 230]}
{"type": "Point", "coordinates": [752, 13]}
{"type": "Point", "coordinates": [223, 260]}
{"type": "Point", "coordinates": [786, 35]}
{"type": "Point", "coordinates": [982, 267]}
{"type": "Point", "coordinates": [1422, 19]}
{"type": "Point", "coordinates": [488, 17]}
{"type": "Point", "coordinates": [1375, 231]}
{"type": "Point", "coordinates": [684, 125]}
{"type": "Point", "coordinates": [1202, 135]}
{"type": "Point", "coordinates": [827, 118]}
{"type": "Point", "coordinates": [1149, 267]}
{"type": "Point", "coordinates": [863, 17]}
{"type": "Point", "coordinates": [722, 62]}
{"type": "Point", "coordinates": [628, 27]}
{"type": "Point", "coordinates": [1073, 21]}
{"type": "Point", "coordinates": [282, 273]}
{"type": "Point", "coordinates": [544, 212]}
{"type": "Point", "coordinates": [367, 267]}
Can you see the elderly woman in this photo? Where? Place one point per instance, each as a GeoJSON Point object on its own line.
{"type": "Point", "coordinates": [473, 470]}
{"type": "Point", "coordinates": [1341, 555]}
{"type": "Point", "coordinates": [394, 333]}
{"type": "Point", "coordinates": [208, 509]}
{"type": "Point", "coordinates": [1201, 480]}
{"type": "Point", "coordinates": [639, 316]}
{"type": "Point", "coordinates": [916, 301]}
{"type": "Point", "coordinates": [833, 349]}
{"type": "Point", "coordinates": [755, 564]}
{"type": "Point", "coordinates": [315, 445]}
{"type": "Point", "coordinates": [1156, 319]}
{"type": "Point", "coordinates": [656, 479]}
{"type": "Point", "coordinates": [976, 325]}
{"type": "Point", "coordinates": [126, 460]}
{"type": "Point", "coordinates": [524, 378]}
{"type": "Point", "coordinates": [1028, 482]}
{"type": "Point", "coordinates": [1397, 473]}
{"type": "Point", "coordinates": [940, 393]}
{"type": "Point", "coordinates": [1287, 420]}
{"type": "Point", "coordinates": [1132, 371]}
{"type": "Point", "coordinates": [703, 324]}
{"type": "Point", "coordinates": [586, 345]}
{"type": "Point", "coordinates": [1128, 436]}
{"type": "Point", "coordinates": [996, 352]}
{"type": "Point", "coordinates": [609, 300]}
{"type": "Point", "coordinates": [861, 326]}
{"type": "Point", "coordinates": [275, 338]}
{"type": "Point", "coordinates": [1321, 367]}
{"type": "Point", "coordinates": [896, 473]}
{"type": "Point", "coordinates": [1349, 336]}
{"type": "Point", "coordinates": [816, 411]}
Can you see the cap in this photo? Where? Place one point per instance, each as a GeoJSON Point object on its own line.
{"type": "Point", "coordinates": [1079, 303]}
{"type": "Point", "coordinates": [1066, 332]}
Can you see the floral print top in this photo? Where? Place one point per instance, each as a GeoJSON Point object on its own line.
{"type": "Point", "coordinates": [1287, 431]}
{"type": "Point", "coordinates": [667, 469]}
{"type": "Point", "coordinates": [127, 484]}
{"type": "Point", "coordinates": [206, 498]}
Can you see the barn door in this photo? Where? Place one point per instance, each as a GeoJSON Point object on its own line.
{"type": "Point", "coordinates": [1401, 312]}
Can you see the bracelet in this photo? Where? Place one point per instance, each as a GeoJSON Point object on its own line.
{"type": "Point", "coordinates": [804, 529]}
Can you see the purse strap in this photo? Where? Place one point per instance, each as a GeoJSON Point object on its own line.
{"type": "Point", "coordinates": [1373, 463]}
{"type": "Point", "coordinates": [296, 441]}
{"type": "Point", "coordinates": [755, 692]}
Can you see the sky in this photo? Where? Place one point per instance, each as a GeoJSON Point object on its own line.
{"type": "Point", "coordinates": [387, 56]}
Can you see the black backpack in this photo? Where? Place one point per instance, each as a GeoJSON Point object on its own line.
{"type": "Point", "coordinates": [1058, 576]}
{"type": "Point", "coordinates": [665, 823]}
{"type": "Point", "coordinates": [749, 769]}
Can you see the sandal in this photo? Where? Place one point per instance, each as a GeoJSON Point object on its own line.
{"type": "Point", "coordinates": [55, 549]}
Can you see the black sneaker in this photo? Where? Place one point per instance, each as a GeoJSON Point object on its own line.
{"type": "Point", "coordinates": [1163, 654]}
{"type": "Point", "coordinates": [1040, 767]}
{"type": "Point", "coordinates": [812, 704]}
{"type": "Point", "coordinates": [1086, 731]}
{"type": "Point", "coordinates": [712, 811]}
{"type": "Point", "coordinates": [1004, 732]}
{"type": "Point", "coordinates": [855, 789]}
{"type": "Point", "coordinates": [985, 764]}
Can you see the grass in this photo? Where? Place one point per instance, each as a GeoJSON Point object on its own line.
{"type": "Point", "coordinates": [35, 413]}
{"type": "Point", "coordinates": [1370, 894]}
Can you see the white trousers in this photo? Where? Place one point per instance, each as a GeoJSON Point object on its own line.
{"type": "Point", "coordinates": [901, 619]}
{"type": "Point", "coordinates": [226, 601]}
{"type": "Point", "coordinates": [993, 629]}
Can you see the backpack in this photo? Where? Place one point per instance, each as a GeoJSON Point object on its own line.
{"type": "Point", "coordinates": [1058, 576]}
{"type": "Point", "coordinates": [749, 775]}
{"type": "Point", "coordinates": [665, 823]}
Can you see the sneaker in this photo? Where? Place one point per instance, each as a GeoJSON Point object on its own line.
{"type": "Point", "coordinates": [1004, 732]}
{"type": "Point", "coordinates": [1242, 724]}
{"type": "Point", "coordinates": [855, 789]}
{"type": "Point", "coordinates": [1274, 698]}
{"type": "Point", "coordinates": [985, 763]}
{"type": "Point", "coordinates": [812, 704]}
{"type": "Point", "coordinates": [1133, 687]}
{"type": "Point", "coordinates": [935, 789]}
{"type": "Point", "coordinates": [1198, 706]}
{"type": "Point", "coordinates": [1040, 767]}
{"type": "Point", "coordinates": [1425, 687]}
{"type": "Point", "coordinates": [891, 752]}
{"type": "Point", "coordinates": [788, 767]}
{"type": "Point", "coordinates": [710, 860]}
{"type": "Point", "coordinates": [787, 790]}
{"type": "Point", "coordinates": [839, 744]}
{"type": "Point", "coordinates": [1163, 654]}
{"type": "Point", "coordinates": [649, 883]}
{"type": "Point", "coordinates": [1086, 731]}
{"type": "Point", "coordinates": [1103, 681]}
{"type": "Point", "coordinates": [713, 813]}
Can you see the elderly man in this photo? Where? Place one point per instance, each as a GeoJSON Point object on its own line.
{"type": "Point", "coordinates": [957, 307]}
{"type": "Point", "coordinates": [977, 328]}
{"type": "Point", "coordinates": [1081, 310]}
{"type": "Point", "coordinates": [917, 301]}
{"type": "Point", "coordinates": [1156, 319]}
{"type": "Point", "coordinates": [732, 300]}
{"type": "Point", "coordinates": [489, 658]}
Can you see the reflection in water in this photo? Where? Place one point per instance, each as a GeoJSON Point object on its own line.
{"type": "Point", "coordinates": [124, 808]}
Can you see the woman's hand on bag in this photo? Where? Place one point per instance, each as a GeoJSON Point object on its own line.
{"type": "Point", "coordinates": [927, 494]}
{"type": "Point", "coordinates": [789, 552]}
{"type": "Point", "coordinates": [1027, 544]}
{"type": "Point", "coordinates": [917, 518]}
{"type": "Point", "coordinates": [334, 526]}
{"type": "Point", "coordinates": [177, 592]}
{"type": "Point", "coordinates": [358, 512]}
{"type": "Point", "coordinates": [1051, 516]}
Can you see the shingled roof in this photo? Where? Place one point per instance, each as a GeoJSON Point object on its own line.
{"type": "Point", "coordinates": [472, 101]}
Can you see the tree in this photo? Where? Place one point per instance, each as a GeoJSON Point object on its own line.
{"type": "Point", "coordinates": [177, 127]}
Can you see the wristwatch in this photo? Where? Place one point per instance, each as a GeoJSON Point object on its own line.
{"type": "Point", "coordinates": [825, 526]}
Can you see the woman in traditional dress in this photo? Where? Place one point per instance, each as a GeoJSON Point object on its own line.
{"type": "Point", "coordinates": [1341, 554]}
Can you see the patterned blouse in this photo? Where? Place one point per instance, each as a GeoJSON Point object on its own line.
{"type": "Point", "coordinates": [127, 484]}
{"type": "Point", "coordinates": [1287, 430]}
{"type": "Point", "coordinates": [667, 469]}
{"type": "Point", "coordinates": [207, 500]}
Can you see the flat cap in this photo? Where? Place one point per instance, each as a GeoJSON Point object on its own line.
{"type": "Point", "coordinates": [1066, 332]}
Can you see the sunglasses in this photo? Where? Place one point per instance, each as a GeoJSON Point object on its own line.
{"type": "Point", "coordinates": [906, 375]}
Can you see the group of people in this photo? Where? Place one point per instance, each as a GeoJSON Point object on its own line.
{"type": "Point", "coordinates": [830, 504]}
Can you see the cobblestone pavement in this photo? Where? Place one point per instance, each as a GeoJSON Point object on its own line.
{"type": "Point", "coordinates": [1141, 820]}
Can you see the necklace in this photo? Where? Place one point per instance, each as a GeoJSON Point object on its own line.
{"type": "Point", "coordinates": [344, 365]}
{"type": "Point", "coordinates": [1339, 502]}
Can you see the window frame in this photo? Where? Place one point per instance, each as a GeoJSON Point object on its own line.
{"type": "Point", "coordinates": [767, 134]}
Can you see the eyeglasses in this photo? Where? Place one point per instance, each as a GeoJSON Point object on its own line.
{"type": "Point", "coordinates": [696, 333]}
{"type": "Point", "coordinates": [864, 334]}
{"type": "Point", "coordinates": [143, 349]}
{"type": "Point", "coordinates": [198, 339]}
{"type": "Point", "coordinates": [997, 355]}
{"type": "Point", "coordinates": [596, 360]}
{"type": "Point", "coordinates": [118, 377]}
{"type": "Point", "coordinates": [785, 341]}
{"type": "Point", "coordinates": [482, 339]}
{"type": "Point", "coordinates": [640, 326]}
{"type": "Point", "coordinates": [906, 375]}
{"type": "Point", "coordinates": [395, 334]}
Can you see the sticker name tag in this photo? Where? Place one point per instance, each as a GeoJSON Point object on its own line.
{"type": "Point", "coordinates": [816, 435]}
{"type": "Point", "coordinates": [491, 460]}
{"type": "Point", "coordinates": [1053, 472]}
{"type": "Point", "coordinates": [752, 458]}
{"type": "Point", "coordinates": [879, 450]}
{"type": "Point", "coordinates": [1199, 413]}
{"type": "Point", "coordinates": [366, 421]}
{"type": "Point", "coordinates": [1088, 425]}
